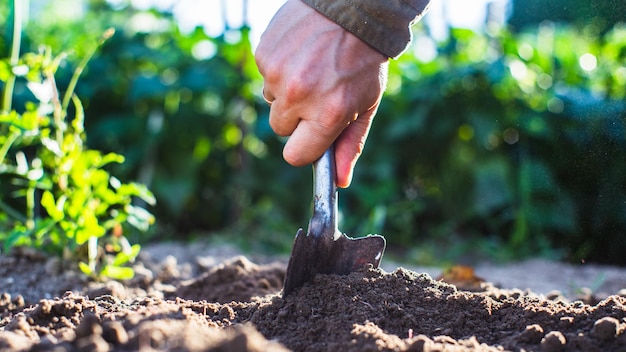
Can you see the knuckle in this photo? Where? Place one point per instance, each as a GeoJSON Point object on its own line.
{"type": "Point", "coordinates": [271, 72]}
{"type": "Point", "coordinates": [260, 60]}
{"type": "Point", "coordinates": [296, 89]}
{"type": "Point", "coordinates": [269, 68]}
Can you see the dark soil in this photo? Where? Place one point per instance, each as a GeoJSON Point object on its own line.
{"type": "Point", "coordinates": [236, 305]}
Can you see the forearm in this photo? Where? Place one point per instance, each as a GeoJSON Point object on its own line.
{"type": "Point", "coordinates": [383, 24]}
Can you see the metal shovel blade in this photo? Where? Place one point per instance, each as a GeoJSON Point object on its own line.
{"type": "Point", "coordinates": [313, 255]}
{"type": "Point", "coordinates": [323, 249]}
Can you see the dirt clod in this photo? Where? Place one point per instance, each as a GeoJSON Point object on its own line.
{"type": "Point", "coordinates": [113, 332]}
{"type": "Point", "coordinates": [532, 335]}
{"type": "Point", "coordinates": [554, 341]}
{"type": "Point", "coordinates": [605, 328]}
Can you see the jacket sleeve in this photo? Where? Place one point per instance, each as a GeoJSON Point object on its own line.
{"type": "Point", "coordinates": [383, 24]}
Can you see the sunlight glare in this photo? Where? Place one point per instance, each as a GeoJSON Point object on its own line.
{"type": "Point", "coordinates": [588, 62]}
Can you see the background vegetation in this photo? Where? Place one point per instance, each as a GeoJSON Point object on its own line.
{"type": "Point", "coordinates": [509, 142]}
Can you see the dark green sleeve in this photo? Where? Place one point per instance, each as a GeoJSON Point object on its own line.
{"type": "Point", "coordinates": [383, 24]}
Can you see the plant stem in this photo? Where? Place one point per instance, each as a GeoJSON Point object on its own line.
{"type": "Point", "coordinates": [17, 32]}
{"type": "Point", "coordinates": [30, 206]}
{"type": "Point", "coordinates": [15, 55]}
{"type": "Point", "coordinates": [59, 113]}
{"type": "Point", "coordinates": [81, 66]}
{"type": "Point", "coordinates": [7, 144]}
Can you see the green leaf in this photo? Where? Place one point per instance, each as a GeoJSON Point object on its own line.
{"type": "Point", "coordinates": [84, 267]}
{"type": "Point", "coordinates": [139, 190]}
{"type": "Point", "coordinates": [123, 258]}
{"type": "Point", "coordinates": [139, 217]}
{"type": "Point", "coordinates": [20, 236]}
{"type": "Point", "coordinates": [29, 121]}
{"type": "Point", "coordinates": [90, 228]}
{"type": "Point", "coordinates": [54, 211]}
{"type": "Point", "coordinates": [5, 70]}
{"type": "Point", "coordinates": [78, 123]}
{"type": "Point", "coordinates": [110, 158]}
{"type": "Point", "coordinates": [118, 272]}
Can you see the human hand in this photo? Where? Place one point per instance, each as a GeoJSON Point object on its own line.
{"type": "Point", "coordinates": [325, 85]}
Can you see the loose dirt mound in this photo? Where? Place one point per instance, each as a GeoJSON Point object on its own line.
{"type": "Point", "coordinates": [236, 305]}
{"type": "Point", "coordinates": [236, 280]}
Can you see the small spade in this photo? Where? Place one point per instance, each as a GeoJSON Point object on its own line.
{"type": "Point", "coordinates": [323, 249]}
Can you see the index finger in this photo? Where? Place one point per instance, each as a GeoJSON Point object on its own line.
{"type": "Point", "coordinates": [308, 142]}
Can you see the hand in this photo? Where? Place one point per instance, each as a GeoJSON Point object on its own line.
{"type": "Point", "coordinates": [325, 84]}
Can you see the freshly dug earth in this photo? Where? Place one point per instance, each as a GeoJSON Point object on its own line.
{"type": "Point", "coordinates": [209, 303]}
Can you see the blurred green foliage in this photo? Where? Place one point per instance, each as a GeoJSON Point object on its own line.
{"type": "Point", "coordinates": [602, 15]}
{"type": "Point", "coordinates": [505, 138]}
{"type": "Point", "coordinates": [502, 144]}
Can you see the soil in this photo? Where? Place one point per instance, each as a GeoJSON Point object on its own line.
{"type": "Point", "coordinates": [200, 298]}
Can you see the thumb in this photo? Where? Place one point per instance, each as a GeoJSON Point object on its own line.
{"type": "Point", "coordinates": [349, 146]}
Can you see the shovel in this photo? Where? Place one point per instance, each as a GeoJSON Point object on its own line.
{"type": "Point", "coordinates": [324, 249]}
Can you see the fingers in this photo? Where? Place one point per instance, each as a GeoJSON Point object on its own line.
{"type": "Point", "coordinates": [312, 119]}
{"type": "Point", "coordinates": [310, 139]}
{"type": "Point", "coordinates": [281, 120]}
{"type": "Point", "coordinates": [312, 129]}
{"type": "Point", "coordinates": [314, 124]}
{"type": "Point", "coordinates": [308, 142]}
{"type": "Point", "coordinates": [349, 146]}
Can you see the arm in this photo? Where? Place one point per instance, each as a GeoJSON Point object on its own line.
{"type": "Point", "coordinates": [324, 81]}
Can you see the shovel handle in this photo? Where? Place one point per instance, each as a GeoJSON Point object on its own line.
{"type": "Point", "coordinates": [324, 219]}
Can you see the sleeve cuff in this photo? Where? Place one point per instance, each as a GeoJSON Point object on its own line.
{"type": "Point", "coordinates": [383, 24]}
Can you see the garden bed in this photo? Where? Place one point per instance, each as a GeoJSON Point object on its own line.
{"type": "Point", "coordinates": [191, 298]}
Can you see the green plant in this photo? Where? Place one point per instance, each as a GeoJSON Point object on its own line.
{"type": "Point", "coordinates": [57, 194]}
